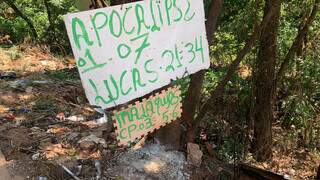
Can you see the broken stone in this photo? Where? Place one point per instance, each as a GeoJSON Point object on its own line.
{"type": "Point", "coordinates": [194, 154]}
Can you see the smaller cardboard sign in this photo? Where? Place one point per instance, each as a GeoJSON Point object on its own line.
{"type": "Point", "coordinates": [150, 114]}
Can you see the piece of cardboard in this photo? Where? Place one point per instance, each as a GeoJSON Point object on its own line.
{"type": "Point", "coordinates": [150, 114]}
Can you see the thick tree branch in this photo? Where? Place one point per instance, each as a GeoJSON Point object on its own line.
{"type": "Point", "coordinates": [297, 42]}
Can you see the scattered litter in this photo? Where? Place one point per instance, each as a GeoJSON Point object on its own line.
{"type": "Point", "coordinates": [58, 130]}
{"type": "Point", "coordinates": [10, 117]}
{"type": "Point", "coordinates": [40, 82]}
{"type": "Point", "coordinates": [79, 167]}
{"type": "Point", "coordinates": [19, 84]}
{"type": "Point", "coordinates": [25, 82]}
{"type": "Point", "coordinates": [8, 75]}
{"type": "Point", "coordinates": [43, 178]}
{"type": "Point", "coordinates": [69, 172]}
{"type": "Point", "coordinates": [35, 157]}
{"type": "Point", "coordinates": [61, 116]}
{"type": "Point", "coordinates": [77, 118]}
{"type": "Point", "coordinates": [98, 169]}
{"type": "Point", "coordinates": [93, 138]}
{"type": "Point", "coordinates": [24, 110]}
{"type": "Point", "coordinates": [102, 120]}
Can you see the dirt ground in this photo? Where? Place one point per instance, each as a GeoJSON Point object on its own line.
{"type": "Point", "coordinates": [45, 124]}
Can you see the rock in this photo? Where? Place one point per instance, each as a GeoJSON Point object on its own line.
{"type": "Point", "coordinates": [194, 154]}
{"type": "Point", "coordinates": [93, 139]}
{"type": "Point", "coordinates": [8, 75]}
{"type": "Point", "coordinates": [35, 157]}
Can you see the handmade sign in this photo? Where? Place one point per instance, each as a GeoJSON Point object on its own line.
{"type": "Point", "coordinates": [144, 117]}
{"type": "Point", "coordinates": [125, 52]}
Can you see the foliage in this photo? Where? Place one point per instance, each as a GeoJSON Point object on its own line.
{"type": "Point", "coordinates": [51, 31]}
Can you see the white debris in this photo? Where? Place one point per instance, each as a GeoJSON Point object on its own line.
{"type": "Point", "coordinates": [151, 162]}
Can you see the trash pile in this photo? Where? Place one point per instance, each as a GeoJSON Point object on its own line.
{"type": "Point", "coordinates": [151, 161]}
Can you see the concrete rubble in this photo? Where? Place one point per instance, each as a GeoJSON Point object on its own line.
{"type": "Point", "coordinates": [151, 161]}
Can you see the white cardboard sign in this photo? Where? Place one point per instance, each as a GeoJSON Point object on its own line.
{"type": "Point", "coordinates": [125, 52]}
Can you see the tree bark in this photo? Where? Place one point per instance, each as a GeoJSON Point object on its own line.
{"type": "Point", "coordinates": [264, 85]}
{"type": "Point", "coordinates": [218, 91]}
{"type": "Point", "coordinates": [192, 99]}
{"type": "Point", "coordinates": [24, 17]}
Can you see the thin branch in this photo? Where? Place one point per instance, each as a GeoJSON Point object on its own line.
{"type": "Point", "coordinates": [250, 42]}
{"type": "Point", "coordinates": [297, 43]}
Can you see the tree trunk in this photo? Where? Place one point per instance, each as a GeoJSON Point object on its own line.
{"type": "Point", "coordinates": [192, 100]}
{"type": "Point", "coordinates": [24, 17]}
{"type": "Point", "coordinates": [218, 91]}
{"type": "Point", "coordinates": [264, 85]}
